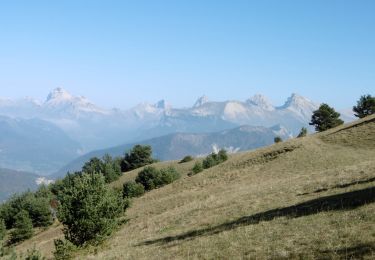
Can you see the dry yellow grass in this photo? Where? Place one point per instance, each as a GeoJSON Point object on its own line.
{"type": "Point", "coordinates": [306, 198]}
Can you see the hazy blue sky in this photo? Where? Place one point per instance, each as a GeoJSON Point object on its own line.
{"type": "Point", "coordinates": [120, 53]}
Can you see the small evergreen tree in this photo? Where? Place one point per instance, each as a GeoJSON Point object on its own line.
{"type": "Point", "coordinates": [148, 177]}
{"type": "Point", "coordinates": [277, 139]}
{"type": "Point", "coordinates": [132, 189]}
{"type": "Point", "coordinates": [94, 165]}
{"type": "Point", "coordinates": [152, 178]}
{"type": "Point", "coordinates": [325, 118]}
{"type": "Point", "coordinates": [167, 176]}
{"type": "Point", "coordinates": [197, 168]}
{"type": "Point", "coordinates": [23, 227]}
{"type": "Point", "coordinates": [210, 161]}
{"type": "Point", "coordinates": [88, 208]}
{"type": "Point", "coordinates": [39, 211]}
{"type": "Point", "coordinates": [365, 106]}
{"type": "Point", "coordinates": [64, 249]}
{"type": "Point", "coordinates": [222, 155]}
{"type": "Point", "coordinates": [187, 158]}
{"type": "Point", "coordinates": [139, 156]}
{"type": "Point", "coordinates": [302, 133]}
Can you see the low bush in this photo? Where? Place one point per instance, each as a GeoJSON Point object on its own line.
{"type": "Point", "coordinates": [132, 189]}
{"type": "Point", "coordinates": [64, 249]}
{"type": "Point", "coordinates": [187, 158]}
{"type": "Point", "coordinates": [152, 178]}
{"type": "Point", "coordinates": [222, 156]}
{"type": "Point", "coordinates": [34, 254]}
{"type": "Point", "coordinates": [147, 177]}
{"type": "Point", "coordinates": [277, 139]}
{"type": "Point", "coordinates": [214, 159]}
{"type": "Point", "coordinates": [167, 176]}
{"type": "Point", "coordinates": [210, 161]}
{"type": "Point", "coordinates": [197, 168]}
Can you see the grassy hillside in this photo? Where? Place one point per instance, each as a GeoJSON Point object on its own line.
{"type": "Point", "coordinates": [307, 198]}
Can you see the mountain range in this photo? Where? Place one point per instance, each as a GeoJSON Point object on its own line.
{"type": "Point", "coordinates": [77, 126]}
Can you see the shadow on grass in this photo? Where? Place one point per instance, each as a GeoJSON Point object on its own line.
{"type": "Point", "coordinates": [340, 186]}
{"type": "Point", "coordinates": [355, 252]}
{"type": "Point", "coordinates": [343, 201]}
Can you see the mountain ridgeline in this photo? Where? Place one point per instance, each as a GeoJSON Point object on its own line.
{"type": "Point", "coordinates": [175, 146]}
{"type": "Point", "coordinates": [78, 126]}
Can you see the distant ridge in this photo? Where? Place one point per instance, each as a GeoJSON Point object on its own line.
{"type": "Point", "coordinates": [177, 145]}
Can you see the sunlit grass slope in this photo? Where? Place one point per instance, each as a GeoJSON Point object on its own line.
{"type": "Point", "coordinates": [306, 198]}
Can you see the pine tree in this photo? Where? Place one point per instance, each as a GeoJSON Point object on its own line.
{"type": "Point", "coordinates": [139, 156]}
{"type": "Point", "coordinates": [88, 208]}
{"type": "Point", "coordinates": [23, 227]}
{"type": "Point", "coordinates": [325, 118]}
{"type": "Point", "coordinates": [365, 106]}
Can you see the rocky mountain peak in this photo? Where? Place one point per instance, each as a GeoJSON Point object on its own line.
{"type": "Point", "coordinates": [260, 101]}
{"type": "Point", "coordinates": [58, 94]}
{"type": "Point", "coordinates": [200, 101]}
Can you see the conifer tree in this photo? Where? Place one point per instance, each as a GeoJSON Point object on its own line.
{"type": "Point", "coordinates": [325, 118]}
{"type": "Point", "coordinates": [23, 227]}
{"type": "Point", "coordinates": [88, 208]}
{"type": "Point", "coordinates": [365, 106]}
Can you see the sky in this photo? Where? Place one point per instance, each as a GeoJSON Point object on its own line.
{"type": "Point", "coordinates": [121, 53]}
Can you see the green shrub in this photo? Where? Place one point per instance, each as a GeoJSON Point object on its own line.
{"type": "Point", "coordinates": [2, 229]}
{"type": "Point", "coordinates": [152, 178]}
{"type": "Point", "coordinates": [302, 133]}
{"type": "Point", "coordinates": [187, 158]}
{"type": "Point", "coordinates": [64, 249]}
{"type": "Point", "coordinates": [167, 176]}
{"type": "Point", "coordinates": [34, 254]}
{"type": "Point", "coordinates": [88, 209]}
{"type": "Point", "coordinates": [36, 204]}
{"type": "Point", "coordinates": [148, 177]}
{"type": "Point", "coordinates": [210, 161]}
{"type": "Point", "coordinates": [23, 227]}
{"type": "Point", "coordinates": [222, 156]}
{"type": "Point", "coordinates": [214, 159]}
{"type": "Point", "coordinates": [132, 189]}
{"type": "Point", "coordinates": [277, 139]}
{"type": "Point", "coordinates": [138, 156]}
{"type": "Point", "coordinates": [197, 168]}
